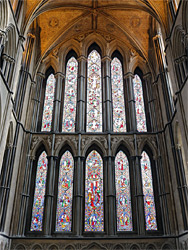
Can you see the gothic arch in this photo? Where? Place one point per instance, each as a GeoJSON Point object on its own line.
{"type": "Point", "coordinates": [92, 143]}
{"type": "Point", "coordinates": [53, 247]}
{"type": "Point", "coordinates": [184, 15]}
{"type": "Point", "coordinates": [134, 247]}
{"type": "Point", "coordinates": [63, 144]}
{"type": "Point", "coordinates": [70, 247]}
{"type": "Point", "coordinates": [39, 144]}
{"type": "Point", "coordinates": [97, 39]}
{"type": "Point", "coordinates": [48, 62]}
{"type": "Point", "coordinates": [150, 247]}
{"type": "Point", "coordinates": [146, 143]}
{"type": "Point", "coordinates": [64, 50]}
{"type": "Point", "coordinates": [37, 247]}
{"type": "Point", "coordinates": [119, 46]}
{"type": "Point", "coordinates": [124, 144]}
{"type": "Point", "coordinates": [167, 247]}
{"type": "Point", "coordinates": [118, 247]}
{"type": "Point", "coordinates": [178, 42]}
{"type": "Point", "coordinates": [137, 62]}
{"type": "Point", "coordinates": [10, 45]}
{"type": "Point", "coordinates": [20, 247]}
{"type": "Point", "coordinates": [94, 246]}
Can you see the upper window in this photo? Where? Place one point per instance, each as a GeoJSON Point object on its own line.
{"type": "Point", "coordinates": [149, 203]}
{"type": "Point", "coordinates": [94, 220]}
{"type": "Point", "coordinates": [139, 104]}
{"type": "Point", "coordinates": [119, 120]}
{"type": "Point", "coordinates": [65, 190]}
{"type": "Point", "coordinates": [94, 93]}
{"type": "Point", "coordinates": [123, 197]}
{"type": "Point", "coordinates": [69, 111]}
{"type": "Point", "coordinates": [39, 195]}
{"type": "Point", "coordinates": [48, 104]}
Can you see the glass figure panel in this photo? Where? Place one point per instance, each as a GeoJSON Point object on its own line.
{"type": "Point", "coordinates": [149, 203]}
{"type": "Point", "coordinates": [119, 120]}
{"type": "Point", "coordinates": [69, 111]}
{"type": "Point", "coordinates": [40, 189]}
{"type": "Point", "coordinates": [123, 196]}
{"type": "Point", "coordinates": [139, 104]}
{"type": "Point", "coordinates": [94, 93]}
{"type": "Point", "coordinates": [65, 191]}
{"type": "Point", "coordinates": [94, 193]}
{"type": "Point", "coordinates": [48, 104]}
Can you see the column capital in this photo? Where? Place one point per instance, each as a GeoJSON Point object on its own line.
{"type": "Point", "coordinates": [106, 58]}
{"type": "Point", "coordinates": [128, 74]}
{"type": "Point", "coordinates": [82, 58]}
{"type": "Point", "coordinates": [59, 74]}
{"type": "Point", "coordinates": [30, 35]}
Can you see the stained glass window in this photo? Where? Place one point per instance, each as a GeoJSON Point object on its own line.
{"type": "Point", "coordinates": [94, 193]}
{"type": "Point", "coordinates": [123, 197]}
{"type": "Point", "coordinates": [139, 104]}
{"type": "Point", "coordinates": [69, 111]}
{"type": "Point", "coordinates": [149, 203]}
{"type": "Point", "coordinates": [94, 93]}
{"type": "Point", "coordinates": [119, 121]}
{"type": "Point", "coordinates": [48, 104]}
{"type": "Point", "coordinates": [40, 188]}
{"type": "Point", "coordinates": [65, 189]}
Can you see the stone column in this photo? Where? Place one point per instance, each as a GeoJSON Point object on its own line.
{"type": "Point", "coordinates": [4, 187]}
{"type": "Point", "coordinates": [78, 195]}
{"type": "Point", "coordinates": [37, 100]}
{"type": "Point", "coordinates": [107, 93]}
{"type": "Point", "coordinates": [110, 190]}
{"type": "Point", "coordinates": [25, 195]}
{"type": "Point", "coordinates": [57, 101]}
{"type": "Point", "coordinates": [163, 195]}
{"type": "Point", "coordinates": [81, 94]}
{"type": "Point", "coordinates": [138, 190]}
{"type": "Point", "coordinates": [147, 79]}
{"type": "Point", "coordinates": [49, 198]}
{"type": "Point", "coordinates": [128, 78]}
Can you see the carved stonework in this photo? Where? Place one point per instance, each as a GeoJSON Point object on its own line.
{"type": "Point", "coordinates": [87, 141]}
{"type": "Point", "coordinates": [35, 141]}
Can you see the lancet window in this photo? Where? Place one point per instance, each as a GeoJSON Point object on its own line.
{"type": "Point", "coordinates": [94, 93]}
{"type": "Point", "coordinates": [48, 104]}
{"type": "Point", "coordinates": [119, 119]}
{"type": "Point", "coordinates": [94, 214]}
{"type": "Point", "coordinates": [39, 195]}
{"type": "Point", "coordinates": [139, 104]}
{"type": "Point", "coordinates": [149, 202]}
{"type": "Point", "coordinates": [69, 111]}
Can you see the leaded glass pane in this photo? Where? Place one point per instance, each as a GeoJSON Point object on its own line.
{"type": "Point", "coordinates": [94, 93]}
{"type": "Point", "coordinates": [65, 190]}
{"type": "Point", "coordinates": [123, 197]}
{"type": "Point", "coordinates": [139, 104]}
{"type": "Point", "coordinates": [94, 193]}
{"type": "Point", "coordinates": [69, 111]}
{"type": "Point", "coordinates": [40, 188]}
{"type": "Point", "coordinates": [119, 121]}
{"type": "Point", "coordinates": [149, 203]}
{"type": "Point", "coordinates": [48, 104]}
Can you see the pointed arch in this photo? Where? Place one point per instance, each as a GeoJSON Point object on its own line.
{"type": "Point", "coordinates": [119, 118]}
{"type": "Point", "coordinates": [94, 93]}
{"type": "Point", "coordinates": [94, 210]}
{"type": "Point", "coordinates": [139, 102]}
{"type": "Point", "coordinates": [70, 98]}
{"type": "Point", "coordinates": [39, 192]}
{"type": "Point", "coordinates": [123, 195]}
{"type": "Point", "coordinates": [148, 192]}
{"type": "Point", "coordinates": [65, 193]}
{"type": "Point", "coordinates": [48, 96]}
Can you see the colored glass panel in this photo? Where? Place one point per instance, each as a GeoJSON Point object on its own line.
{"type": "Point", "coordinates": [65, 190]}
{"type": "Point", "coordinates": [48, 104]}
{"type": "Point", "coordinates": [119, 121]}
{"type": "Point", "coordinates": [40, 188]}
{"type": "Point", "coordinates": [94, 93]}
{"type": "Point", "coordinates": [149, 203]}
{"type": "Point", "coordinates": [139, 104]}
{"type": "Point", "coordinates": [123, 197]}
{"type": "Point", "coordinates": [69, 111]}
{"type": "Point", "coordinates": [94, 193]}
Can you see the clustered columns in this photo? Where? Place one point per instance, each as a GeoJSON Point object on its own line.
{"type": "Point", "coordinates": [128, 78]}
{"type": "Point", "coordinates": [107, 93]}
{"type": "Point", "coordinates": [81, 91]}
{"type": "Point", "coordinates": [60, 83]}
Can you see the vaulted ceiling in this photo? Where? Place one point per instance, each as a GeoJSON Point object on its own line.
{"type": "Point", "coordinates": [129, 21]}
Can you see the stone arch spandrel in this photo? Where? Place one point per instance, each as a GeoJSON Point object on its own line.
{"type": "Point", "coordinates": [50, 61]}
{"type": "Point", "coordinates": [3, 14]}
{"type": "Point", "coordinates": [94, 38]}
{"type": "Point", "coordinates": [150, 143]}
{"type": "Point", "coordinates": [10, 45]}
{"type": "Point", "coordinates": [178, 42]}
{"type": "Point", "coordinates": [63, 142]}
{"type": "Point", "coordinates": [101, 143]}
{"type": "Point", "coordinates": [127, 144]}
{"type": "Point", "coordinates": [136, 61]}
{"type": "Point", "coordinates": [38, 142]}
{"type": "Point", "coordinates": [151, 247]}
{"type": "Point", "coordinates": [20, 247]}
{"type": "Point", "coordinates": [94, 246]}
{"type": "Point", "coordinates": [37, 247]}
{"type": "Point", "coordinates": [185, 16]}
{"type": "Point", "coordinates": [135, 247]}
